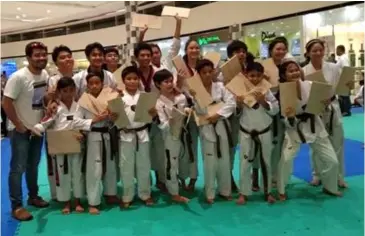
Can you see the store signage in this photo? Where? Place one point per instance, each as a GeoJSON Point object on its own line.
{"type": "Point", "coordinates": [267, 36]}
{"type": "Point", "coordinates": [208, 40]}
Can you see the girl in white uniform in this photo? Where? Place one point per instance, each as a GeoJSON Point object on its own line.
{"type": "Point", "coordinates": [303, 127]}
{"type": "Point", "coordinates": [189, 166]}
{"type": "Point", "coordinates": [100, 161]}
{"type": "Point", "coordinates": [256, 135]}
{"type": "Point", "coordinates": [69, 178]}
{"type": "Point", "coordinates": [215, 135]}
{"type": "Point", "coordinates": [169, 101]}
{"type": "Point", "coordinates": [332, 117]}
{"type": "Point", "coordinates": [134, 157]}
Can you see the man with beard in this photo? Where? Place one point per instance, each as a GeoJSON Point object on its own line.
{"type": "Point", "coordinates": [22, 102]}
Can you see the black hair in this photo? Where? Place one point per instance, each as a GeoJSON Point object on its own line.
{"type": "Point", "coordinates": [128, 70]}
{"type": "Point", "coordinates": [111, 49]}
{"type": "Point", "coordinates": [161, 76]}
{"type": "Point", "coordinates": [203, 63]}
{"type": "Point", "coordinates": [91, 74]}
{"type": "Point", "coordinates": [234, 46]}
{"type": "Point", "coordinates": [277, 40]}
{"type": "Point", "coordinates": [185, 57]}
{"type": "Point", "coordinates": [142, 46]}
{"type": "Point", "coordinates": [250, 58]}
{"type": "Point", "coordinates": [153, 45]}
{"type": "Point", "coordinates": [65, 82]}
{"type": "Point", "coordinates": [255, 66]}
{"type": "Point", "coordinates": [34, 45]}
{"type": "Point", "coordinates": [361, 82]}
{"type": "Point", "coordinates": [341, 48]}
{"type": "Point", "coordinates": [310, 44]}
{"type": "Point", "coordinates": [282, 70]}
{"type": "Point", "coordinates": [57, 50]}
{"type": "Point", "coordinates": [90, 47]}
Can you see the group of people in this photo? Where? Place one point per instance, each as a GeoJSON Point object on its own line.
{"type": "Point", "coordinates": [268, 141]}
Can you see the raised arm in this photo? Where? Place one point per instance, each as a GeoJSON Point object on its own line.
{"type": "Point", "coordinates": [175, 46]}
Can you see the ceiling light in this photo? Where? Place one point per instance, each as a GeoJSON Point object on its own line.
{"type": "Point", "coordinates": [121, 10]}
{"type": "Point", "coordinates": [17, 17]}
{"type": "Point", "coordinates": [282, 34]}
{"type": "Point", "coordinates": [48, 11]}
{"type": "Point", "coordinates": [19, 9]}
{"type": "Point", "coordinates": [297, 34]}
{"type": "Point", "coordinates": [281, 23]}
{"type": "Point", "coordinates": [330, 11]}
{"type": "Point", "coordinates": [252, 35]}
{"type": "Point", "coordinates": [24, 15]}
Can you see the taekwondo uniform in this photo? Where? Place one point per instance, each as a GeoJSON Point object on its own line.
{"type": "Point", "coordinates": [134, 159]}
{"type": "Point", "coordinates": [332, 117]}
{"type": "Point", "coordinates": [307, 128]}
{"type": "Point", "coordinates": [256, 142]}
{"type": "Point", "coordinates": [216, 143]}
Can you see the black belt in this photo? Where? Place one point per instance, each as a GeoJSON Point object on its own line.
{"type": "Point", "coordinates": [135, 131]}
{"type": "Point", "coordinates": [303, 118]}
{"type": "Point", "coordinates": [330, 126]}
{"type": "Point", "coordinates": [37, 106]}
{"type": "Point", "coordinates": [49, 161]}
{"type": "Point", "coordinates": [256, 139]}
{"type": "Point", "coordinates": [185, 133]}
{"type": "Point", "coordinates": [168, 165]}
{"type": "Point", "coordinates": [65, 164]}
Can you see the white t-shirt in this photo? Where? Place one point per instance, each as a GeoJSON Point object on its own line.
{"type": "Point", "coordinates": [27, 90]}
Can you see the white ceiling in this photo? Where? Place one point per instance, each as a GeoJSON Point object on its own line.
{"type": "Point", "coordinates": [19, 16]}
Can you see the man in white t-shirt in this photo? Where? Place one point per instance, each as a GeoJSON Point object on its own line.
{"type": "Point", "coordinates": [342, 61]}
{"type": "Point", "coordinates": [23, 105]}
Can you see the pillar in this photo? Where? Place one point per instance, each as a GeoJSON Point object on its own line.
{"type": "Point", "coordinates": [131, 7]}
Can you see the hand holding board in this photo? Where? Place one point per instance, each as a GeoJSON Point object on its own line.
{"type": "Point", "coordinates": [141, 20]}
{"type": "Point", "coordinates": [116, 106]}
{"type": "Point", "coordinates": [211, 110]}
{"type": "Point", "coordinates": [318, 93]}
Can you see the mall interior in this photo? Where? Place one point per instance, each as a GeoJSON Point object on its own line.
{"type": "Point", "coordinates": [213, 24]}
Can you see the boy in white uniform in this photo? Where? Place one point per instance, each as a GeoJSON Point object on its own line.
{"type": "Point", "coordinates": [134, 145]}
{"type": "Point", "coordinates": [169, 101]}
{"type": "Point", "coordinates": [256, 134]}
{"type": "Point", "coordinates": [100, 162]}
{"type": "Point", "coordinates": [68, 167]}
{"type": "Point", "coordinates": [215, 135]}
{"type": "Point", "coordinates": [302, 127]}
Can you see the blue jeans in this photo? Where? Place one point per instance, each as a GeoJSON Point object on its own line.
{"type": "Point", "coordinates": [25, 157]}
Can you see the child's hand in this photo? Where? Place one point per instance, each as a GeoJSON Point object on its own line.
{"type": "Point", "coordinates": [289, 112]}
{"type": "Point", "coordinates": [113, 116]}
{"type": "Point", "coordinates": [240, 99]}
{"type": "Point", "coordinates": [260, 98]}
{"type": "Point", "coordinates": [119, 91]}
{"type": "Point", "coordinates": [192, 92]}
{"type": "Point", "coordinates": [152, 112]}
{"type": "Point", "coordinates": [214, 118]}
{"type": "Point", "coordinates": [188, 110]}
{"type": "Point", "coordinates": [100, 117]}
{"type": "Point", "coordinates": [51, 109]}
{"type": "Point", "coordinates": [79, 137]}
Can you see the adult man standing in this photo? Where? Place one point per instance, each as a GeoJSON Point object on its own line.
{"type": "Point", "coordinates": [342, 61]}
{"type": "Point", "coordinates": [23, 105]}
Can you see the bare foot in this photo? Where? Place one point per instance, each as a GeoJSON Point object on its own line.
{"type": "Point", "coordinates": [342, 184]}
{"type": "Point", "coordinates": [337, 194]}
{"type": "Point", "coordinates": [210, 200]}
{"type": "Point", "coordinates": [241, 200]}
{"type": "Point", "coordinates": [79, 209]}
{"type": "Point", "coordinates": [111, 200]}
{"type": "Point", "coordinates": [270, 198]}
{"type": "Point", "coordinates": [149, 202]}
{"type": "Point", "coordinates": [282, 197]}
{"type": "Point", "coordinates": [180, 199]}
{"type": "Point", "coordinates": [315, 182]}
{"type": "Point", "coordinates": [66, 209]}
{"type": "Point", "coordinates": [93, 210]}
{"type": "Point", "coordinates": [227, 198]}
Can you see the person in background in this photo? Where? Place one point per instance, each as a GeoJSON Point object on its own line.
{"type": "Point", "coordinates": [343, 60]}
{"type": "Point", "coordinates": [306, 61]}
{"type": "Point", "coordinates": [165, 63]}
{"type": "Point", "coordinates": [285, 41]}
{"type": "Point", "coordinates": [4, 131]}
{"type": "Point", "coordinates": [23, 105]}
{"type": "Point", "coordinates": [111, 59]}
{"type": "Point", "coordinates": [332, 58]}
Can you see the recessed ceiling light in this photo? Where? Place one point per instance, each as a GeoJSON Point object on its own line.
{"type": "Point", "coordinates": [19, 9]}
{"type": "Point", "coordinates": [281, 23]}
{"type": "Point", "coordinates": [17, 17]}
{"type": "Point", "coordinates": [282, 34]}
{"type": "Point", "coordinates": [24, 15]}
{"type": "Point", "coordinates": [48, 11]}
{"type": "Point", "coordinates": [331, 11]}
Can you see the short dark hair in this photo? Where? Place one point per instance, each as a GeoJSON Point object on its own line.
{"type": "Point", "coordinates": [91, 74]}
{"type": "Point", "coordinates": [282, 70]}
{"type": "Point", "coordinates": [129, 70]}
{"type": "Point", "coordinates": [57, 50]}
{"type": "Point", "coordinates": [65, 82]}
{"type": "Point", "coordinates": [277, 40]}
{"type": "Point", "coordinates": [234, 46]}
{"type": "Point", "coordinates": [161, 76]}
{"type": "Point", "coordinates": [34, 45]}
{"type": "Point", "coordinates": [111, 49]}
{"type": "Point", "coordinates": [255, 66]}
{"type": "Point", "coordinates": [341, 48]}
{"type": "Point", "coordinates": [140, 47]}
{"type": "Point", "coordinates": [90, 47]}
{"type": "Point", "coordinates": [203, 63]}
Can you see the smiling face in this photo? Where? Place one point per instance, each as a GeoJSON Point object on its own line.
{"type": "Point", "coordinates": [193, 50]}
{"type": "Point", "coordinates": [316, 53]}
{"type": "Point", "coordinates": [131, 82]}
{"type": "Point", "coordinates": [279, 51]}
{"type": "Point", "coordinates": [144, 58]}
{"type": "Point", "coordinates": [96, 58]}
{"type": "Point", "coordinates": [38, 60]}
{"type": "Point", "coordinates": [254, 77]}
{"type": "Point", "coordinates": [292, 72]}
{"type": "Point", "coordinates": [111, 59]}
{"type": "Point", "coordinates": [64, 61]}
{"type": "Point", "coordinates": [94, 85]}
